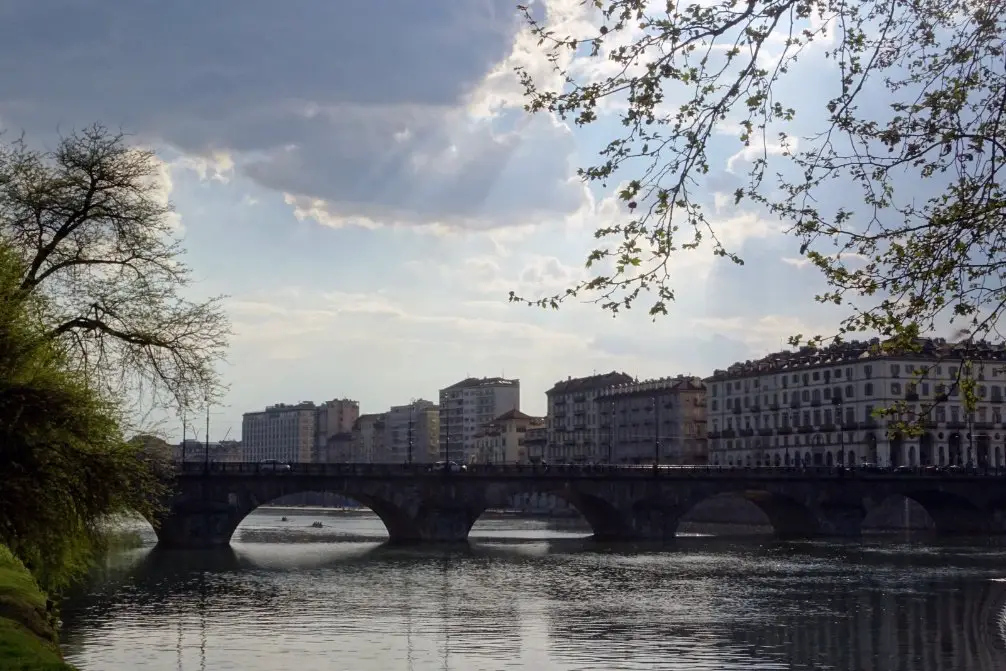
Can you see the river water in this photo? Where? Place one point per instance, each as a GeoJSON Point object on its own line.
{"type": "Point", "coordinates": [539, 595]}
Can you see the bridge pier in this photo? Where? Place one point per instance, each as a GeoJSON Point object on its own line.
{"type": "Point", "coordinates": [197, 529]}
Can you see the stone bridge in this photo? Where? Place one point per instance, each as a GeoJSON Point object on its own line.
{"type": "Point", "coordinates": [619, 503]}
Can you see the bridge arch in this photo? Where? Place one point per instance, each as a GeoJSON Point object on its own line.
{"type": "Point", "coordinates": [951, 514]}
{"type": "Point", "coordinates": [201, 518]}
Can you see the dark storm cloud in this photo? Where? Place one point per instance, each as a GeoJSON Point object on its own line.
{"type": "Point", "coordinates": [339, 101]}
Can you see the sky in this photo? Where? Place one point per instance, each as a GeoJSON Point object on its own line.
{"type": "Point", "coordinates": [360, 180]}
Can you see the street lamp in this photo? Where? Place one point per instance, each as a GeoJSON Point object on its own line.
{"type": "Point", "coordinates": [412, 409]}
{"type": "Point", "coordinates": [656, 433]}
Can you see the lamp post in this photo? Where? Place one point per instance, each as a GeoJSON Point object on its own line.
{"type": "Point", "coordinates": [611, 432]}
{"type": "Point", "coordinates": [206, 451]}
{"type": "Point", "coordinates": [837, 402]}
{"type": "Point", "coordinates": [656, 433]}
{"type": "Point", "coordinates": [412, 409]}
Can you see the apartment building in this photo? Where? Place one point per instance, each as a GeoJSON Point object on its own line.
{"type": "Point", "coordinates": [335, 417]}
{"type": "Point", "coordinates": [818, 406]}
{"type": "Point", "coordinates": [413, 432]}
{"type": "Point", "coordinates": [573, 421]}
{"type": "Point", "coordinates": [222, 451]}
{"type": "Point", "coordinates": [662, 419]}
{"type": "Point", "coordinates": [502, 441]}
{"type": "Point", "coordinates": [370, 439]}
{"type": "Point", "coordinates": [283, 432]}
{"type": "Point", "coordinates": [467, 406]}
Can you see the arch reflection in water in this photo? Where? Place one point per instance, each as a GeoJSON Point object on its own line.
{"type": "Point", "coordinates": [706, 604]}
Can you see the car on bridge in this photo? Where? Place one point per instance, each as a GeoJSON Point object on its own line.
{"type": "Point", "coordinates": [273, 466]}
{"type": "Point", "coordinates": [446, 467]}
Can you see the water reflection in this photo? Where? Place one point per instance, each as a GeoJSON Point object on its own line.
{"type": "Point", "coordinates": [550, 603]}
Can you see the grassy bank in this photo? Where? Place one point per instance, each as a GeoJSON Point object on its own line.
{"type": "Point", "coordinates": [28, 640]}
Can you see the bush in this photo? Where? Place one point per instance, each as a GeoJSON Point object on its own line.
{"type": "Point", "coordinates": [66, 466]}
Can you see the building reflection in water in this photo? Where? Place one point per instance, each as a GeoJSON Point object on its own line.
{"type": "Point", "coordinates": [933, 626]}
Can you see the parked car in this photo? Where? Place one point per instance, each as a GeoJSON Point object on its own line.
{"type": "Point", "coordinates": [273, 466]}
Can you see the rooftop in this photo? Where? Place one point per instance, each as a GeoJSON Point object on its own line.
{"type": "Point", "coordinates": [859, 350]}
{"type": "Point", "coordinates": [678, 383]}
{"type": "Point", "coordinates": [572, 385]}
{"type": "Point", "coordinates": [472, 382]}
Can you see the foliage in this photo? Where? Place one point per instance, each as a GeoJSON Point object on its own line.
{"type": "Point", "coordinates": [92, 225]}
{"type": "Point", "coordinates": [919, 98]}
{"type": "Point", "coordinates": [65, 464]}
{"type": "Point", "coordinates": [27, 630]}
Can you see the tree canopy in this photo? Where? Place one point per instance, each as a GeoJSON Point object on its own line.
{"type": "Point", "coordinates": [65, 463]}
{"type": "Point", "coordinates": [92, 226]}
{"type": "Point", "coordinates": [913, 119]}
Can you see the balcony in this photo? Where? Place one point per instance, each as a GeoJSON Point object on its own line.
{"type": "Point", "coordinates": [764, 432]}
{"type": "Point", "coordinates": [911, 396]}
{"type": "Point", "coordinates": [850, 426]}
{"type": "Point", "coordinates": [794, 404]}
{"type": "Point", "coordinates": [785, 431]}
{"type": "Point", "coordinates": [996, 398]}
{"type": "Point", "coordinates": [870, 424]}
{"type": "Point", "coordinates": [956, 424]}
{"type": "Point", "coordinates": [983, 426]}
{"type": "Point", "coordinates": [729, 433]}
{"type": "Point", "coordinates": [805, 429]}
{"type": "Point", "coordinates": [827, 428]}
{"type": "Point", "coordinates": [713, 434]}
{"type": "Point", "coordinates": [747, 433]}
{"type": "Point", "coordinates": [774, 407]}
{"type": "Point", "coordinates": [755, 408]}
{"type": "Point", "coordinates": [815, 404]}
{"type": "Point", "coordinates": [737, 410]}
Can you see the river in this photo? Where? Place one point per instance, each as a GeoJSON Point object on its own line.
{"type": "Point", "coordinates": [539, 595]}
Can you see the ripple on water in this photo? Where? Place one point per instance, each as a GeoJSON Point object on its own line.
{"type": "Point", "coordinates": [530, 595]}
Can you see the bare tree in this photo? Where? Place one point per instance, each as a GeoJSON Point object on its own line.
{"type": "Point", "coordinates": [93, 227]}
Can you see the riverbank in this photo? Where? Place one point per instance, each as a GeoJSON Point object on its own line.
{"type": "Point", "coordinates": [28, 639]}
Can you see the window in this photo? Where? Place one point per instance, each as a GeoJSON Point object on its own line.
{"type": "Point", "coordinates": [895, 388]}
{"type": "Point", "coordinates": [816, 376]}
{"type": "Point", "coordinates": [838, 373]}
{"type": "Point", "coordinates": [805, 396]}
{"type": "Point", "coordinates": [868, 389]}
{"type": "Point", "coordinates": [849, 391]}
{"type": "Point", "coordinates": [895, 370]}
{"type": "Point", "coordinates": [925, 389]}
{"type": "Point", "coordinates": [868, 370]}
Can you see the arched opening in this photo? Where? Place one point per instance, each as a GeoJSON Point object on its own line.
{"type": "Point", "coordinates": [532, 514]}
{"type": "Point", "coordinates": [851, 458]}
{"type": "Point", "coordinates": [926, 443]}
{"type": "Point", "coordinates": [897, 514]}
{"type": "Point", "coordinates": [872, 453]}
{"type": "Point", "coordinates": [911, 456]}
{"type": "Point", "coordinates": [312, 517]}
{"type": "Point", "coordinates": [829, 459]}
{"type": "Point", "coordinates": [999, 456]}
{"type": "Point", "coordinates": [777, 460]}
{"type": "Point", "coordinates": [955, 449]}
{"type": "Point", "coordinates": [896, 445]}
{"type": "Point", "coordinates": [840, 458]}
{"type": "Point", "coordinates": [195, 520]}
{"type": "Point", "coordinates": [984, 449]}
{"type": "Point", "coordinates": [949, 514]}
{"type": "Point", "coordinates": [128, 531]}
{"type": "Point", "coordinates": [943, 456]}
{"type": "Point", "coordinates": [752, 512]}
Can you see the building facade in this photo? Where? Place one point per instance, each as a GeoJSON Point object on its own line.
{"type": "Point", "coordinates": [819, 407]}
{"type": "Point", "coordinates": [573, 422]}
{"type": "Point", "coordinates": [662, 419]}
{"type": "Point", "coordinates": [502, 441]}
{"type": "Point", "coordinates": [413, 432]}
{"type": "Point", "coordinates": [283, 432]}
{"type": "Point", "coordinates": [467, 406]}
{"type": "Point", "coordinates": [334, 417]}
{"type": "Point", "coordinates": [370, 439]}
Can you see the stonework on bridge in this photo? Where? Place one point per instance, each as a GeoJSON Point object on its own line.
{"type": "Point", "coordinates": [619, 505]}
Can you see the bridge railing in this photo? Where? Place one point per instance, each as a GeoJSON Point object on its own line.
{"type": "Point", "coordinates": [413, 470]}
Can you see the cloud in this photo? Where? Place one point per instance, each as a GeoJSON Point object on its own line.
{"type": "Point", "coordinates": [358, 115]}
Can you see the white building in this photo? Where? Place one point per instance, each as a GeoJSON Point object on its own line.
{"type": "Point", "coordinates": [466, 406]}
{"type": "Point", "coordinates": [335, 417]}
{"type": "Point", "coordinates": [638, 420]}
{"type": "Point", "coordinates": [573, 419]}
{"type": "Point", "coordinates": [416, 424]}
{"type": "Point", "coordinates": [817, 407]}
{"type": "Point", "coordinates": [283, 432]}
{"type": "Point", "coordinates": [502, 441]}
